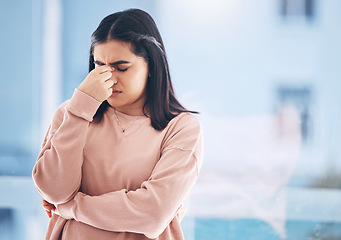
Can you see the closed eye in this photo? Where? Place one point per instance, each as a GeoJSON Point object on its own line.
{"type": "Point", "coordinates": [121, 69]}
{"type": "Point", "coordinates": [98, 63]}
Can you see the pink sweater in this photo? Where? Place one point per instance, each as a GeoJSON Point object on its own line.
{"type": "Point", "coordinates": [107, 184]}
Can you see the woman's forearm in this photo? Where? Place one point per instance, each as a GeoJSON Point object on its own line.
{"type": "Point", "coordinates": [57, 172]}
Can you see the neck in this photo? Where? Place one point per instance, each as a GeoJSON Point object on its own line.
{"type": "Point", "coordinates": [130, 112]}
{"type": "Point", "coordinates": [132, 109]}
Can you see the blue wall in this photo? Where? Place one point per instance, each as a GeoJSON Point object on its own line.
{"type": "Point", "coordinates": [19, 89]}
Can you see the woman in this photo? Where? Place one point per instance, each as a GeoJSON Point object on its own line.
{"type": "Point", "coordinates": [122, 154]}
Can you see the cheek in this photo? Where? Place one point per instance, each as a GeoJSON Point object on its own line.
{"type": "Point", "coordinates": [138, 81]}
{"type": "Point", "coordinates": [140, 84]}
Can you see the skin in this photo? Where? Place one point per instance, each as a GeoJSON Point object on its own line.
{"type": "Point", "coordinates": [120, 77]}
{"type": "Point", "coordinates": [49, 207]}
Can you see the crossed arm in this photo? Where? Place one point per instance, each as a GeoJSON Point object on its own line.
{"type": "Point", "coordinates": [151, 207]}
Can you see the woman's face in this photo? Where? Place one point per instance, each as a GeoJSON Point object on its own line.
{"type": "Point", "coordinates": [130, 75]}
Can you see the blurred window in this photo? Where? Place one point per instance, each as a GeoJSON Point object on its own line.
{"type": "Point", "coordinates": [300, 98]}
{"type": "Point", "coordinates": [304, 8]}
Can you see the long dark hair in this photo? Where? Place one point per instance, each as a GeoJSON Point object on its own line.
{"type": "Point", "coordinates": [139, 29]}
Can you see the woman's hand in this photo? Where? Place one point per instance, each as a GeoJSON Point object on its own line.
{"type": "Point", "coordinates": [97, 83]}
{"type": "Point", "coordinates": [49, 207]}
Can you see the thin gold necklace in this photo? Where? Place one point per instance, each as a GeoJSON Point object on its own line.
{"type": "Point", "coordinates": [131, 123]}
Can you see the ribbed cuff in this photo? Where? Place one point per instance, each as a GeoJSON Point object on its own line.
{"type": "Point", "coordinates": [66, 210]}
{"type": "Point", "coordinates": [83, 105]}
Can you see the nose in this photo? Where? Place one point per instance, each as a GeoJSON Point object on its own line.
{"type": "Point", "coordinates": [113, 76]}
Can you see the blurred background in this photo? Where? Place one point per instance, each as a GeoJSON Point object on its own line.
{"type": "Point", "coordinates": [265, 76]}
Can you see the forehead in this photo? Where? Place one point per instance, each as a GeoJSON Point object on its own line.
{"type": "Point", "coordinates": [113, 50]}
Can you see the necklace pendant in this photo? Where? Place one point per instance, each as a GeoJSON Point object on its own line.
{"type": "Point", "coordinates": [119, 124]}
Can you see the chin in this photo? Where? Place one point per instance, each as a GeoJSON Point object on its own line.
{"type": "Point", "coordinates": [112, 103]}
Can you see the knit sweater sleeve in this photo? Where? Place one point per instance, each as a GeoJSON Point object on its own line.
{"type": "Point", "coordinates": [149, 209]}
{"type": "Point", "coordinates": [57, 172]}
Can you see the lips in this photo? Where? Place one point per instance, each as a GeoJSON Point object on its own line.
{"type": "Point", "coordinates": [116, 92]}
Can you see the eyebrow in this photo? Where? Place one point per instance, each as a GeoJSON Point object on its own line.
{"type": "Point", "coordinates": [114, 63]}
